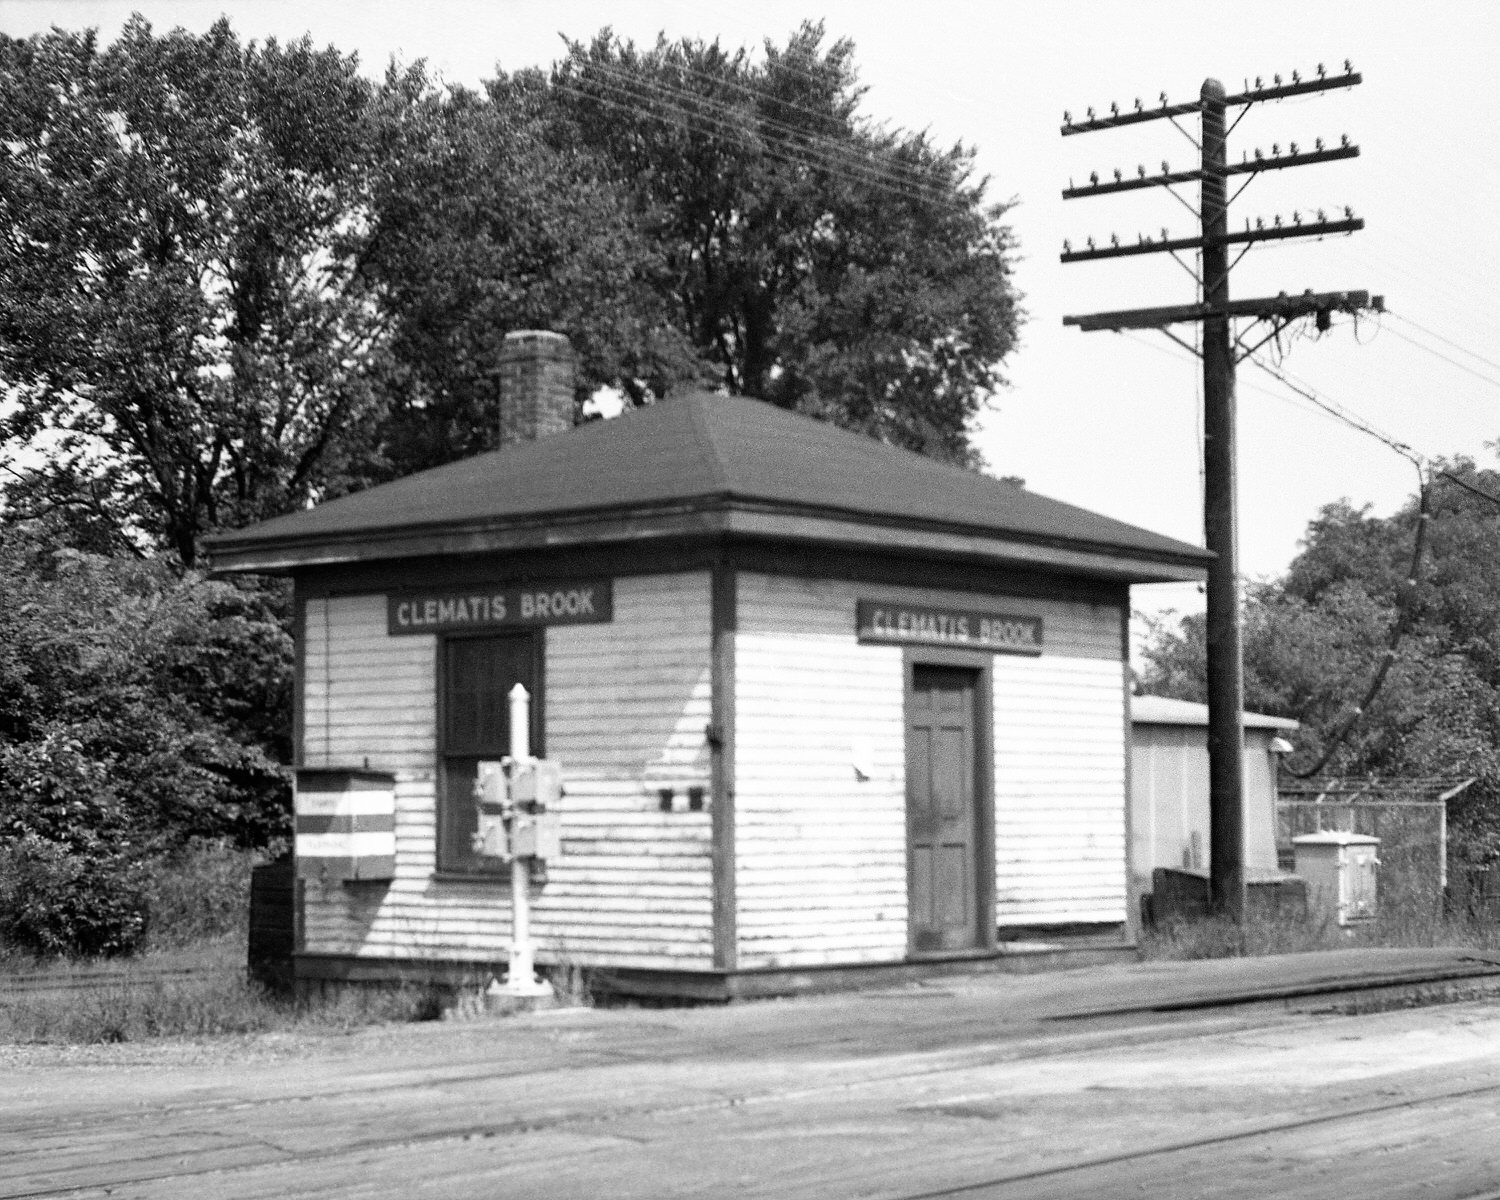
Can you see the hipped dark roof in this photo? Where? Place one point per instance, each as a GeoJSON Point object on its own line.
{"type": "Point", "coordinates": [693, 454]}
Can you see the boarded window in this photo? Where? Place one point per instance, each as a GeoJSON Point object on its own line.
{"type": "Point", "coordinates": [478, 675]}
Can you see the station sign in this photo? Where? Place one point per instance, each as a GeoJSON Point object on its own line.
{"type": "Point", "coordinates": [960, 628]}
{"type": "Point", "coordinates": [514, 606]}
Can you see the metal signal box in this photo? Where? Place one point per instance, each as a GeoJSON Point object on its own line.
{"type": "Point", "coordinates": [1340, 872]}
{"type": "Point", "coordinates": [493, 808]}
{"type": "Point", "coordinates": [536, 782]}
{"type": "Point", "coordinates": [536, 835]}
{"type": "Point", "coordinates": [512, 798]}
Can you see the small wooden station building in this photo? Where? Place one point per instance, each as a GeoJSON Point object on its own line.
{"type": "Point", "coordinates": [821, 704]}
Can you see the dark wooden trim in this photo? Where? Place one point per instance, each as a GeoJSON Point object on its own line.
{"type": "Point", "coordinates": [346, 823]}
{"type": "Point", "coordinates": [983, 664]}
{"type": "Point", "coordinates": [898, 567]}
{"type": "Point", "coordinates": [724, 625]}
{"type": "Point", "coordinates": [342, 779]}
{"type": "Point", "coordinates": [1074, 932]}
{"type": "Point", "coordinates": [906, 568]}
{"type": "Point", "coordinates": [481, 570]}
{"type": "Point", "coordinates": [721, 986]}
{"type": "Point", "coordinates": [537, 638]}
{"type": "Point", "coordinates": [299, 672]}
{"type": "Point", "coordinates": [347, 868]}
{"type": "Point", "coordinates": [1132, 900]}
{"type": "Point", "coordinates": [708, 513]}
{"type": "Point", "coordinates": [353, 968]}
{"type": "Point", "coordinates": [299, 912]}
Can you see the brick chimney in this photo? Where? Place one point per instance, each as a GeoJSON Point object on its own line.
{"type": "Point", "coordinates": [536, 385]}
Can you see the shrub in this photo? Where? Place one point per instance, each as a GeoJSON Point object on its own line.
{"type": "Point", "coordinates": [138, 702]}
{"type": "Point", "coordinates": [200, 893]}
{"type": "Point", "coordinates": [54, 901]}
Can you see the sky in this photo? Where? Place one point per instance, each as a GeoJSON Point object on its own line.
{"type": "Point", "coordinates": [1110, 421]}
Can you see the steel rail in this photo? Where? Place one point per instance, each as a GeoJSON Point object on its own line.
{"type": "Point", "coordinates": [1185, 1145]}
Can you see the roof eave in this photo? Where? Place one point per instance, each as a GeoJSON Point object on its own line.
{"type": "Point", "coordinates": [719, 516]}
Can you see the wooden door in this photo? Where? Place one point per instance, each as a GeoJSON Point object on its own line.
{"type": "Point", "coordinates": [478, 673]}
{"type": "Point", "coordinates": [942, 810]}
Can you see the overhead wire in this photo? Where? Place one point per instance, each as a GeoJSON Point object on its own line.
{"type": "Point", "coordinates": [1469, 487]}
{"type": "Point", "coordinates": [705, 116]}
{"type": "Point", "coordinates": [746, 91]}
{"type": "Point", "coordinates": [1405, 617]}
{"type": "Point", "coordinates": [1452, 362]}
{"type": "Point", "coordinates": [710, 126]}
{"type": "Point", "coordinates": [1337, 410]}
{"type": "Point", "coordinates": [835, 150]}
{"type": "Point", "coordinates": [724, 119]}
{"type": "Point", "coordinates": [1446, 341]}
{"type": "Point", "coordinates": [1405, 614]}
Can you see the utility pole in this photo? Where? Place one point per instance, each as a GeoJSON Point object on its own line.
{"type": "Point", "coordinates": [1215, 312]}
{"type": "Point", "coordinates": [1226, 672]}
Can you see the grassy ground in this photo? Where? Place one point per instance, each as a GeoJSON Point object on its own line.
{"type": "Point", "coordinates": [218, 999]}
{"type": "Point", "coordinates": [1410, 918]}
{"type": "Point", "coordinates": [198, 919]}
{"type": "Point", "coordinates": [198, 925]}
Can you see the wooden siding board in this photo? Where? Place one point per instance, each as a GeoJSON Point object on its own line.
{"type": "Point", "coordinates": [811, 838]}
{"type": "Point", "coordinates": [821, 854]}
{"type": "Point", "coordinates": [624, 703]}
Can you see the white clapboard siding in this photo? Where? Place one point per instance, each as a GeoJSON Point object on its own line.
{"type": "Point", "coordinates": [626, 706]}
{"type": "Point", "coordinates": [821, 854]}
{"type": "Point", "coordinates": [1059, 789]}
{"type": "Point", "coordinates": [366, 698]}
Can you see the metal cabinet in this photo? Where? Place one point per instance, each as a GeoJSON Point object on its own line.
{"type": "Point", "coordinates": [1340, 872]}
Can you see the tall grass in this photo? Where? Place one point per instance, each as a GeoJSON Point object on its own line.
{"type": "Point", "coordinates": [1412, 913]}
{"type": "Point", "coordinates": [199, 894]}
{"type": "Point", "coordinates": [132, 1005]}
{"type": "Point", "coordinates": [199, 901]}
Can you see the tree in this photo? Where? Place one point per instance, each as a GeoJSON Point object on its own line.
{"type": "Point", "coordinates": [182, 322]}
{"type": "Point", "coordinates": [818, 261]}
{"type": "Point", "coordinates": [482, 228]}
{"type": "Point", "coordinates": [238, 278]}
{"type": "Point", "coordinates": [138, 708]}
{"type": "Point", "coordinates": [1315, 639]}
{"type": "Point", "coordinates": [139, 711]}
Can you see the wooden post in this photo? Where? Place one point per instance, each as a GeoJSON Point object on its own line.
{"type": "Point", "coordinates": [1226, 689]}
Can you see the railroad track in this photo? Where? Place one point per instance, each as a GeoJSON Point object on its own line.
{"type": "Point", "coordinates": [102, 979]}
{"type": "Point", "coordinates": [1074, 1178]}
{"type": "Point", "coordinates": [1169, 1167]}
{"type": "Point", "coordinates": [1146, 1167]}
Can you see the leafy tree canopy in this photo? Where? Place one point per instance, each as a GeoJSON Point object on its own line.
{"type": "Point", "coordinates": [815, 259]}
{"type": "Point", "coordinates": [484, 227]}
{"type": "Point", "coordinates": [138, 708]}
{"type": "Point", "coordinates": [180, 224]}
{"type": "Point", "coordinates": [236, 278]}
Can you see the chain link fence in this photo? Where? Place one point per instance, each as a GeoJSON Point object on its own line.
{"type": "Point", "coordinates": [1410, 819]}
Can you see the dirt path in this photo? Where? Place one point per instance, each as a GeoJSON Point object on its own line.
{"type": "Point", "coordinates": [964, 1088]}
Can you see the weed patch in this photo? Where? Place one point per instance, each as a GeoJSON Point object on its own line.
{"type": "Point", "coordinates": [210, 997]}
{"type": "Point", "coordinates": [1410, 916]}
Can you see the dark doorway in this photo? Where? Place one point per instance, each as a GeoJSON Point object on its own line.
{"type": "Point", "coordinates": [478, 674]}
{"type": "Point", "coordinates": [942, 809]}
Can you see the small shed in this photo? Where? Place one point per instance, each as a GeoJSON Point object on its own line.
{"type": "Point", "coordinates": [822, 705]}
{"type": "Point", "coordinates": [1169, 822]}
